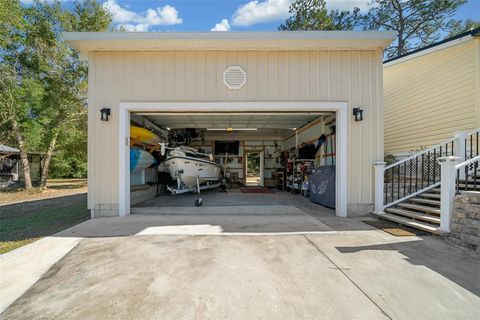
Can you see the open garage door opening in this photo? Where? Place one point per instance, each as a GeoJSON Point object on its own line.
{"type": "Point", "coordinates": [231, 158]}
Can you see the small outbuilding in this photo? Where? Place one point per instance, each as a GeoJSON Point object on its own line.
{"type": "Point", "coordinates": [259, 102]}
{"type": "Point", "coordinates": [10, 166]}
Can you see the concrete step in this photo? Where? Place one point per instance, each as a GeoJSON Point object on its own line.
{"type": "Point", "coordinates": [414, 215]}
{"type": "Point", "coordinates": [435, 190]}
{"type": "Point", "coordinates": [418, 207]}
{"type": "Point", "coordinates": [430, 195]}
{"type": "Point", "coordinates": [426, 201]}
{"type": "Point", "coordinates": [412, 223]}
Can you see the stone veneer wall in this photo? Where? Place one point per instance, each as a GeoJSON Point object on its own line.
{"type": "Point", "coordinates": [466, 220]}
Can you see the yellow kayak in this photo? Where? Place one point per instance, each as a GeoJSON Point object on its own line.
{"type": "Point", "coordinates": [142, 135]}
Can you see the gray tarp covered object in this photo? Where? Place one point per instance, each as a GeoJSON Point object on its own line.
{"type": "Point", "coordinates": [322, 186]}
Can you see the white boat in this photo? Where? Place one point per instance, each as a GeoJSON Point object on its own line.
{"type": "Point", "coordinates": [193, 171]}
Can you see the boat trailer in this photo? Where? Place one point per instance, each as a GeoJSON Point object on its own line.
{"type": "Point", "coordinates": [182, 188]}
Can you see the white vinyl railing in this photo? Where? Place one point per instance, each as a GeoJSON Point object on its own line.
{"type": "Point", "coordinates": [422, 171]}
{"type": "Point", "coordinates": [410, 176]}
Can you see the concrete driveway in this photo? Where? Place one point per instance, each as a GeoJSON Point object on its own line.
{"type": "Point", "coordinates": [249, 266]}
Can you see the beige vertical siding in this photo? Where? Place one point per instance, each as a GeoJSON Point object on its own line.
{"type": "Point", "coordinates": [351, 76]}
{"type": "Point", "coordinates": [429, 98]}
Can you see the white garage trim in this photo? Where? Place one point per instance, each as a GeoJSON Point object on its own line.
{"type": "Point", "coordinates": [341, 109]}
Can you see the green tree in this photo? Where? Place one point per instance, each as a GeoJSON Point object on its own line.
{"type": "Point", "coordinates": [416, 22]}
{"type": "Point", "coordinates": [70, 159]}
{"type": "Point", "coordinates": [456, 27]}
{"type": "Point", "coordinates": [13, 111]}
{"type": "Point", "coordinates": [313, 15]}
{"type": "Point", "coordinates": [87, 16]}
{"type": "Point", "coordinates": [36, 55]}
{"type": "Point", "coordinates": [63, 75]}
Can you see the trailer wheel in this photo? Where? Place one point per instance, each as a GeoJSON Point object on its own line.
{"type": "Point", "coordinates": [198, 202]}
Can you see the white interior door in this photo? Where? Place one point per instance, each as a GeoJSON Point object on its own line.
{"type": "Point", "coordinates": [262, 167]}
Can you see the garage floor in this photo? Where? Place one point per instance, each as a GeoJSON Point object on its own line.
{"type": "Point", "coordinates": [232, 266]}
{"type": "Point", "coordinates": [214, 197]}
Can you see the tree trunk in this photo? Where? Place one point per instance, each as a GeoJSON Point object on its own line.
{"type": "Point", "coordinates": [23, 155]}
{"type": "Point", "coordinates": [400, 47]}
{"type": "Point", "coordinates": [46, 162]}
{"type": "Point", "coordinates": [401, 29]}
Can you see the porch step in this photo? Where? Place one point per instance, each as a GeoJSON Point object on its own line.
{"type": "Point", "coordinates": [414, 215]}
{"type": "Point", "coordinates": [412, 223]}
{"type": "Point", "coordinates": [418, 207]}
{"type": "Point", "coordinates": [430, 195]}
{"type": "Point", "coordinates": [461, 185]}
{"type": "Point", "coordinates": [470, 185]}
{"type": "Point", "coordinates": [426, 201]}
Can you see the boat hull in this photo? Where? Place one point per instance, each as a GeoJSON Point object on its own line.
{"type": "Point", "coordinates": [186, 170]}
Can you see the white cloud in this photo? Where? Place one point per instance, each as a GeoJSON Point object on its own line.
{"type": "Point", "coordinates": [120, 15]}
{"type": "Point", "coordinates": [135, 27]}
{"type": "Point", "coordinates": [347, 4]}
{"type": "Point", "coordinates": [256, 11]}
{"type": "Point", "coordinates": [222, 26]}
{"type": "Point", "coordinates": [133, 21]}
{"type": "Point", "coordinates": [163, 16]}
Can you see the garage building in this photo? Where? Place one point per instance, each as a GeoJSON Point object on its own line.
{"type": "Point", "coordinates": [267, 93]}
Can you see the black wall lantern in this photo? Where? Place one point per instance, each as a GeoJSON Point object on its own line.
{"type": "Point", "coordinates": [358, 114]}
{"type": "Point", "coordinates": [105, 113]}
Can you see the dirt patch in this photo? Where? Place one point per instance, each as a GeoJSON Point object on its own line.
{"type": "Point", "coordinates": [55, 188]}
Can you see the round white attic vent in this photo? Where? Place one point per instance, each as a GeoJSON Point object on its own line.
{"type": "Point", "coordinates": [234, 77]}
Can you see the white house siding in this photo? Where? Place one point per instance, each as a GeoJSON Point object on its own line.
{"type": "Point", "coordinates": [430, 97]}
{"type": "Point", "coordinates": [351, 76]}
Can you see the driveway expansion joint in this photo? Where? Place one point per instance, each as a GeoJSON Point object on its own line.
{"type": "Point", "coordinates": [342, 270]}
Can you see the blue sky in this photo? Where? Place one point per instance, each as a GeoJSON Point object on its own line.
{"type": "Point", "coordinates": [223, 15]}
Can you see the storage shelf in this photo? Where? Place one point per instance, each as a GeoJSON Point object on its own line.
{"type": "Point", "coordinates": [301, 160]}
{"type": "Point", "coordinates": [229, 156]}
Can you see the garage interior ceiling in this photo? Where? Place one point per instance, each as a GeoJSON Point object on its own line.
{"type": "Point", "coordinates": [278, 123]}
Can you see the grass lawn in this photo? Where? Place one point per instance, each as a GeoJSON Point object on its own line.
{"type": "Point", "coordinates": [20, 229]}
